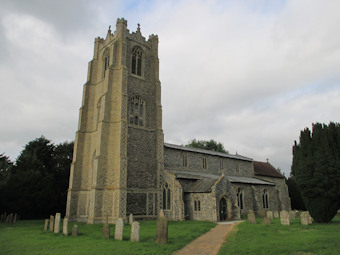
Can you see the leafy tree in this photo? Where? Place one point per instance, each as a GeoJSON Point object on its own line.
{"type": "Point", "coordinates": [211, 145]}
{"type": "Point", "coordinates": [5, 170]}
{"type": "Point", "coordinates": [316, 169]}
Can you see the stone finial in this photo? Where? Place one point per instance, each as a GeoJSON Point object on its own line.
{"type": "Point", "coordinates": [162, 230]}
{"type": "Point", "coordinates": [135, 232]}
{"type": "Point", "coordinates": [119, 229]}
{"type": "Point", "coordinates": [138, 28]}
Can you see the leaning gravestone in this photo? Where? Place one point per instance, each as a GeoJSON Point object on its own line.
{"type": "Point", "coordinates": [266, 221]}
{"type": "Point", "coordinates": [51, 223]}
{"type": "Point", "coordinates": [135, 229]}
{"type": "Point", "coordinates": [46, 225]}
{"type": "Point", "coordinates": [251, 217]}
{"type": "Point", "coordinates": [119, 229]}
{"type": "Point", "coordinates": [130, 218]}
{"type": "Point", "coordinates": [65, 226]}
{"type": "Point", "coordinates": [106, 230]}
{"type": "Point", "coordinates": [75, 230]}
{"type": "Point", "coordinates": [57, 223]}
{"type": "Point", "coordinates": [276, 215]}
{"type": "Point", "coordinates": [162, 230]}
{"type": "Point", "coordinates": [270, 214]}
{"type": "Point", "coordinates": [284, 218]}
{"type": "Point", "coordinates": [292, 215]}
{"type": "Point", "coordinates": [304, 217]}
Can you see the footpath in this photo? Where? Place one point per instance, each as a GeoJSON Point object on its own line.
{"type": "Point", "coordinates": [209, 243]}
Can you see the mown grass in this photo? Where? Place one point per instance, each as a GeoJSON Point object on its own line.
{"type": "Point", "coordinates": [278, 239]}
{"type": "Point", "coordinates": [28, 237]}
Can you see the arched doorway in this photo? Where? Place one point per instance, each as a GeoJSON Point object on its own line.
{"type": "Point", "coordinates": [223, 209]}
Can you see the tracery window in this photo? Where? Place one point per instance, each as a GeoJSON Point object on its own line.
{"type": "Point", "coordinates": [136, 111]}
{"type": "Point", "coordinates": [136, 62]}
{"type": "Point", "coordinates": [166, 197]}
{"type": "Point", "coordinates": [239, 198]}
{"type": "Point", "coordinates": [265, 199]}
{"type": "Point", "coordinates": [197, 205]}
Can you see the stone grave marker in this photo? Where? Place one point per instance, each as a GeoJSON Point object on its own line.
{"type": "Point", "coordinates": [119, 229]}
{"type": "Point", "coordinates": [162, 230]}
{"type": "Point", "coordinates": [161, 213]}
{"type": "Point", "coordinates": [270, 214]}
{"type": "Point", "coordinates": [304, 217]}
{"type": "Point", "coordinates": [75, 230]}
{"type": "Point", "coordinates": [135, 229]}
{"type": "Point", "coordinates": [276, 215]}
{"type": "Point", "coordinates": [292, 215]}
{"type": "Point", "coordinates": [310, 219]}
{"type": "Point", "coordinates": [65, 226]}
{"type": "Point", "coordinates": [284, 217]}
{"type": "Point", "coordinates": [15, 218]}
{"type": "Point", "coordinates": [266, 221]}
{"type": "Point", "coordinates": [106, 230]}
{"type": "Point", "coordinates": [57, 223]}
{"type": "Point", "coordinates": [51, 223]}
{"type": "Point", "coordinates": [46, 225]}
{"type": "Point", "coordinates": [262, 213]}
{"type": "Point", "coordinates": [251, 217]}
{"type": "Point", "coordinates": [130, 218]}
{"type": "Point", "coordinates": [9, 218]}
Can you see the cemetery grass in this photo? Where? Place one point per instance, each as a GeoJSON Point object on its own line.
{"type": "Point", "coordinates": [279, 239]}
{"type": "Point", "coordinates": [28, 237]}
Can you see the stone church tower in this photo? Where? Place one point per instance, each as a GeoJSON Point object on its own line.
{"type": "Point", "coordinates": [118, 153]}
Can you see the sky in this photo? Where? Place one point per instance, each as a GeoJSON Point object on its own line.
{"type": "Point", "coordinates": [249, 74]}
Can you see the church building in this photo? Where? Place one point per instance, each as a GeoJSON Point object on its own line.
{"type": "Point", "coordinates": [121, 164]}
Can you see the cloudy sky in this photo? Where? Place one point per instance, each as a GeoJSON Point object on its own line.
{"type": "Point", "coordinates": [250, 74]}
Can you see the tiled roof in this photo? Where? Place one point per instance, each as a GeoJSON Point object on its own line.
{"type": "Point", "coordinates": [201, 186]}
{"type": "Point", "coordinates": [266, 169]}
{"type": "Point", "coordinates": [248, 180]}
{"type": "Point", "coordinates": [214, 153]}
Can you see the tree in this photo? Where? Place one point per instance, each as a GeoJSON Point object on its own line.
{"type": "Point", "coordinates": [295, 195]}
{"type": "Point", "coordinates": [5, 170]}
{"type": "Point", "coordinates": [211, 145]}
{"type": "Point", "coordinates": [316, 169]}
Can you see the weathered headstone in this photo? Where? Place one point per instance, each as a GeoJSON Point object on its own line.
{"type": "Point", "coordinates": [130, 218]}
{"type": "Point", "coordinates": [310, 219]}
{"type": "Point", "coordinates": [57, 223]}
{"type": "Point", "coordinates": [304, 217]}
{"type": "Point", "coordinates": [46, 225]}
{"type": "Point", "coordinates": [119, 229]}
{"type": "Point", "coordinates": [75, 230]}
{"type": "Point", "coordinates": [9, 218]}
{"type": "Point", "coordinates": [15, 218]}
{"type": "Point", "coordinates": [65, 226]}
{"type": "Point", "coordinates": [270, 214]}
{"type": "Point", "coordinates": [161, 213]}
{"type": "Point", "coordinates": [262, 213]}
{"type": "Point", "coordinates": [291, 215]}
{"type": "Point", "coordinates": [266, 221]}
{"type": "Point", "coordinates": [162, 230]}
{"type": "Point", "coordinates": [276, 215]}
{"type": "Point", "coordinates": [106, 230]}
{"type": "Point", "coordinates": [51, 223]}
{"type": "Point", "coordinates": [284, 218]}
{"type": "Point", "coordinates": [251, 217]}
{"type": "Point", "coordinates": [135, 229]}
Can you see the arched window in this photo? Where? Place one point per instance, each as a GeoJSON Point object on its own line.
{"type": "Point", "coordinates": [240, 198]}
{"type": "Point", "coordinates": [197, 205]}
{"type": "Point", "coordinates": [136, 111]}
{"type": "Point", "coordinates": [106, 61]}
{"type": "Point", "coordinates": [265, 199]}
{"type": "Point", "coordinates": [136, 62]}
{"type": "Point", "coordinates": [166, 197]}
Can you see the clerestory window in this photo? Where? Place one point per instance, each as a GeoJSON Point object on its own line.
{"type": "Point", "coordinates": [136, 63]}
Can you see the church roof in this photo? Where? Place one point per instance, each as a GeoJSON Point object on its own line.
{"type": "Point", "coordinates": [266, 169]}
{"type": "Point", "coordinates": [201, 186]}
{"type": "Point", "coordinates": [214, 153]}
{"type": "Point", "coordinates": [248, 180]}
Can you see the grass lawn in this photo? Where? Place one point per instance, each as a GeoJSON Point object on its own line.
{"type": "Point", "coordinates": [278, 239]}
{"type": "Point", "coordinates": [28, 237]}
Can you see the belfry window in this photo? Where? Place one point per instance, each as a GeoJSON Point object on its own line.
{"type": "Point", "coordinates": [166, 197]}
{"type": "Point", "coordinates": [106, 61]}
{"type": "Point", "coordinates": [240, 198]}
{"type": "Point", "coordinates": [265, 199]}
{"type": "Point", "coordinates": [136, 111]}
{"type": "Point", "coordinates": [136, 63]}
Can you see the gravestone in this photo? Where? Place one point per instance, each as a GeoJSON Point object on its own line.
{"type": "Point", "coordinates": [284, 218]}
{"type": "Point", "coordinates": [10, 218]}
{"type": "Point", "coordinates": [262, 213]}
{"type": "Point", "coordinates": [251, 217]}
{"type": "Point", "coordinates": [310, 219]}
{"type": "Point", "coordinates": [266, 221]}
{"type": "Point", "coordinates": [57, 223]}
{"type": "Point", "coordinates": [51, 223]}
{"type": "Point", "coordinates": [46, 225]}
{"type": "Point", "coordinates": [304, 217]}
{"type": "Point", "coordinates": [276, 215]}
{"type": "Point", "coordinates": [5, 217]}
{"type": "Point", "coordinates": [292, 215]}
{"type": "Point", "coordinates": [135, 229]}
{"type": "Point", "coordinates": [130, 218]}
{"type": "Point", "coordinates": [161, 213]}
{"type": "Point", "coordinates": [65, 226]}
{"type": "Point", "coordinates": [15, 218]}
{"type": "Point", "coordinates": [270, 214]}
{"type": "Point", "coordinates": [106, 230]}
{"type": "Point", "coordinates": [162, 230]}
{"type": "Point", "coordinates": [119, 229]}
{"type": "Point", "coordinates": [75, 230]}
